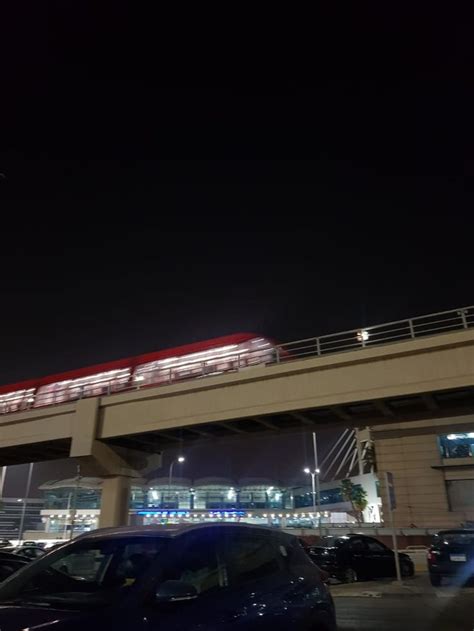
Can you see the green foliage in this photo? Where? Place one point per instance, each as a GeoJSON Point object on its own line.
{"type": "Point", "coordinates": [357, 496]}
{"type": "Point", "coordinates": [347, 488]}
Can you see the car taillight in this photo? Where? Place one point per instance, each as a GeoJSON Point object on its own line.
{"type": "Point", "coordinates": [431, 556]}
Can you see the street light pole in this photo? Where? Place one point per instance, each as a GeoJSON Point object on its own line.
{"type": "Point", "coordinates": [315, 486]}
{"type": "Point", "coordinates": [313, 491]}
{"type": "Point", "coordinates": [317, 472]}
{"type": "Point", "coordinates": [3, 475]}
{"type": "Point", "coordinates": [73, 512]}
{"type": "Point", "coordinates": [25, 502]}
{"type": "Point", "coordinates": [179, 459]}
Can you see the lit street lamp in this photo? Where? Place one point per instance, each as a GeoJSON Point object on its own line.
{"type": "Point", "coordinates": [179, 459]}
{"type": "Point", "coordinates": [315, 488]}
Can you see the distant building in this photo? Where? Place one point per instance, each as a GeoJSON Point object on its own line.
{"type": "Point", "coordinates": [255, 500]}
{"type": "Point", "coordinates": [74, 500]}
{"type": "Point", "coordinates": [11, 510]}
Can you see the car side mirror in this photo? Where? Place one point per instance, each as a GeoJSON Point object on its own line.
{"type": "Point", "coordinates": [175, 591]}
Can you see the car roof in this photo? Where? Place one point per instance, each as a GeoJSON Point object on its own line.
{"type": "Point", "coordinates": [457, 531]}
{"type": "Point", "coordinates": [349, 535]}
{"type": "Point", "coordinates": [169, 531]}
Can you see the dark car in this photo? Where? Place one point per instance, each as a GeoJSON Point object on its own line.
{"type": "Point", "coordinates": [10, 563]}
{"type": "Point", "coordinates": [452, 556]}
{"type": "Point", "coordinates": [351, 558]}
{"type": "Point", "coordinates": [29, 551]}
{"type": "Point", "coordinates": [203, 576]}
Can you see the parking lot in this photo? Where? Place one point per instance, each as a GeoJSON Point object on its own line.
{"type": "Point", "coordinates": [382, 605]}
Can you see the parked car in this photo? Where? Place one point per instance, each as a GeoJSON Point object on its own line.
{"type": "Point", "coordinates": [202, 576]}
{"type": "Point", "coordinates": [31, 552]}
{"type": "Point", "coordinates": [351, 558]}
{"type": "Point", "coordinates": [5, 543]}
{"type": "Point", "coordinates": [54, 546]}
{"type": "Point", "coordinates": [451, 556]}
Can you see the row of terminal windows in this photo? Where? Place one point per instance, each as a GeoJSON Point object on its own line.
{"type": "Point", "coordinates": [199, 499]}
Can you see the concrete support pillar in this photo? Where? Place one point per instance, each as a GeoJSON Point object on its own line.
{"type": "Point", "coordinates": [84, 427]}
{"type": "Point", "coordinates": [115, 501]}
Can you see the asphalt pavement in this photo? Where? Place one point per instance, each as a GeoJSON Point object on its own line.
{"type": "Point", "coordinates": [414, 606]}
{"type": "Point", "coordinates": [399, 613]}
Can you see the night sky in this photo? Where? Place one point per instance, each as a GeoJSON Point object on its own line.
{"type": "Point", "coordinates": [136, 217]}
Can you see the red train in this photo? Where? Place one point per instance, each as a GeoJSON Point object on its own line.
{"type": "Point", "coordinates": [222, 354]}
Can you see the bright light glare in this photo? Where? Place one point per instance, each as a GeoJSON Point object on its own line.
{"type": "Point", "coordinates": [318, 471]}
{"type": "Point", "coordinates": [362, 336]}
{"type": "Point", "coordinates": [306, 470]}
{"type": "Point", "coordinates": [181, 459]}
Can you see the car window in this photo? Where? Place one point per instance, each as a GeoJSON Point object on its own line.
{"type": "Point", "coordinates": [356, 545]}
{"type": "Point", "coordinates": [196, 560]}
{"type": "Point", "coordinates": [91, 573]}
{"type": "Point", "coordinates": [375, 546]}
{"type": "Point", "coordinates": [100, 564]}
{"type": "Point", "coordinates": [457, 538]}
{"type": "Point", "coordinates": [250, 557]}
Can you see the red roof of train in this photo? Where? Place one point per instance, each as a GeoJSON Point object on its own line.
{"type": "Point", "coordinates": [130, 362]}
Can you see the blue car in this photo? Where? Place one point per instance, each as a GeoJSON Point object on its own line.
{"type": "Point", "coordinates": [184, 577]}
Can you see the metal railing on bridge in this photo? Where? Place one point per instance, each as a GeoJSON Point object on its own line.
{"type": "Point", "coordinates": [397, 331]}
{"type": "Point", "coordinates": [333, 343]}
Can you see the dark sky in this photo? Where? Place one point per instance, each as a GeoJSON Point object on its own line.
{"type": "Point", "coordinates": [331, 189]}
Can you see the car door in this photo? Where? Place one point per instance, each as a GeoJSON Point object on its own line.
{"type": "Point", "coordinates": [380, 559]}
{"type": "Point", "coordinates": [354, 555]}
{"type": "Point", "coordinates": [258, 574]}
{"type": "Point", "coordinates": [196, 558]}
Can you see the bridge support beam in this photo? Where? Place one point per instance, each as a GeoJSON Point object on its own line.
{"type": "Point", "coordinates": [115, 503]}
{"type": "Point", "coordinates": [118, 466]}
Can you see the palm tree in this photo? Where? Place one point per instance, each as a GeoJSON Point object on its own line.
{"type": "Point", "coordinates": [357, 496]}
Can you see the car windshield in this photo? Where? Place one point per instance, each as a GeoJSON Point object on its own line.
{"type": "Point", "coordinates": [334, 542]}
{"type": "Point", "coordinates": [84, 575]}
{"type": "Point", "coordinates": [459, 538]}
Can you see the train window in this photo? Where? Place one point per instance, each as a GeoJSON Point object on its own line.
{"type": "Point", "coordinates": [14, 401]}
{"type": "Point", "coordinates": [205, 363]}
{"type": "Point", "coordinates": [92, 385]}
